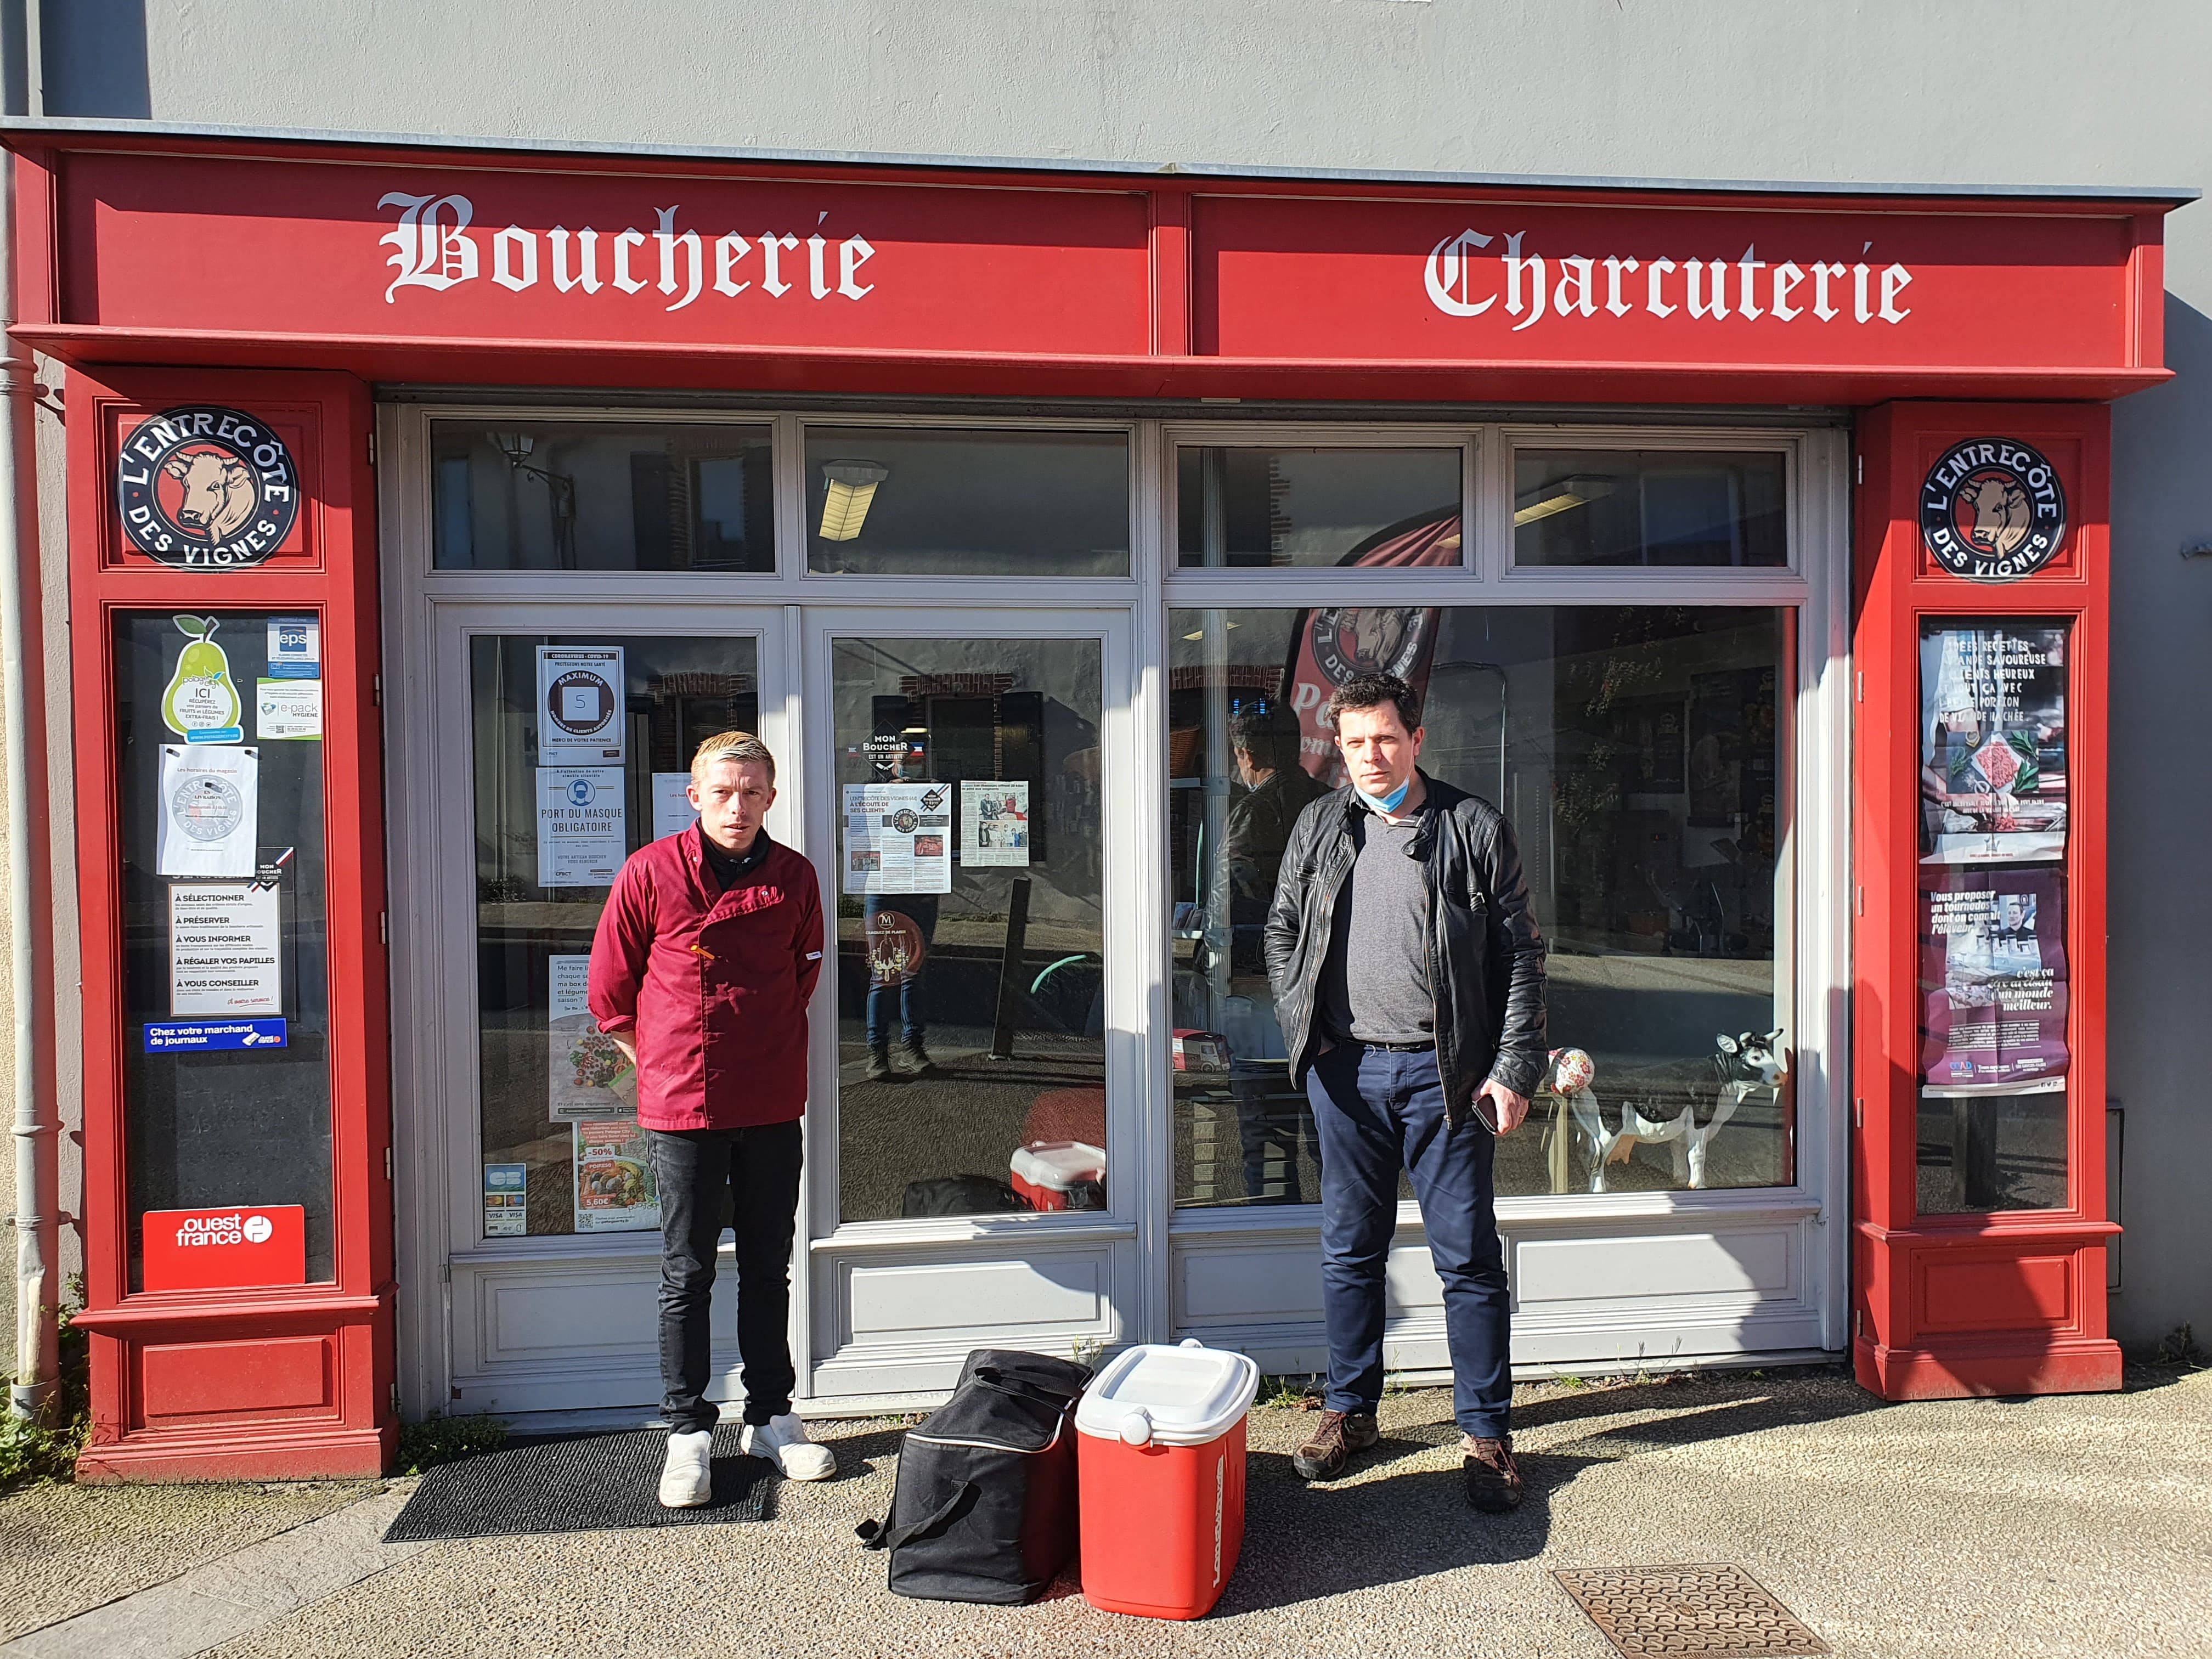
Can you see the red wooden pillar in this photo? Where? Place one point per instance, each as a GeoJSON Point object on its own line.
{"type": "Point", "coordinates": [1981, 596]}
{"type": "Point", "coordinates": [238, 1207]}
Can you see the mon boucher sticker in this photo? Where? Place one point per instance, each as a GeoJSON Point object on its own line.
{"type": "Point", "coordinates": [206, 487]}
{"type": "Point", "coordinates": [1993, 510]}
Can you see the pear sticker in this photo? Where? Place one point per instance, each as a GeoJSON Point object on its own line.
{"type": "Point", "coordinates": [202, 704]}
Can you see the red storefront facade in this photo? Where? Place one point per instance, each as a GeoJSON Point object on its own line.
{"type": "Point", "coordinates": [289, 283]}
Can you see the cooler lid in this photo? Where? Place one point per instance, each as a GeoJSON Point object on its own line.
{"type": "Point", "coordinates": [1173, 1396]}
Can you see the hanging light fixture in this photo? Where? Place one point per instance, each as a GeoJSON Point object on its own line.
{"type": "Point", "coordinates": [852, 487]}
{"type": "Point", "coordinates": [1570, 492]}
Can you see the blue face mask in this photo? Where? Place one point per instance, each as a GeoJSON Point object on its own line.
{"type": "Point", "coordinates": [1388, 803]}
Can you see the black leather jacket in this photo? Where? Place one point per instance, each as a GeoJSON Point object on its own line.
{"type": "Point", "coordinates": [1486, 955]}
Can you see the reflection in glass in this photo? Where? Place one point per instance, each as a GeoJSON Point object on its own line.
{"type": "Point", "coordinates": [1615, 507]}
{"type": "Point", "coordinates": [572, 495]}
{"type": "Point", "coordinates": [1318, 506]}
{"type": "Point", "coordinates": [914, 502]}
{"type": "Point", "coordinates": [550, 1082]}
{"type": "Point", "coordinates": [240, 1127]}
{"type": "Point", "coordinates": [1981, 1152]}
{"type": "Point", "coordinates": [1637, 751]}
{"type": "Point", "coordinates": [970, 945]}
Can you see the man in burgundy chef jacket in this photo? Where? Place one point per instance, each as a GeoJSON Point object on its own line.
{"type": "Point", "coordinates": [706, 954]}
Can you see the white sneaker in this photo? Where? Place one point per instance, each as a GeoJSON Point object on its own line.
{"type": "Point", "coordinates": [686, 1478]}
{"type": "Point", "coordinates": [783, 1441]}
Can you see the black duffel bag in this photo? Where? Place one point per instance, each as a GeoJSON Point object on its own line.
{"type": "Point", "coordinates": [985, 1506]}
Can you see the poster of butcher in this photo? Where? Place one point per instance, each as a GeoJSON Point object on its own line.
{"type": "Point", "coordinates": [1993, 743]}
{"type": "Point", "coordinates": [1993, 981]}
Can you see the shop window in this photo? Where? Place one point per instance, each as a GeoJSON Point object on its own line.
{"type": "Point", "coordinates": [545, 496]}
{"type": "Point", "coordinates": [1314, 507]}
{"type": "Point", "coordinates": [1637, 751]}
{"type": "Point", "coordinates": [971, 971]}
{"type": "Point", "coordinates": [559, 804]}
{"type": "Point", "coordinates": [226, 962]}
{"type": "Point", "coordinates": [1648, 507]}
{"type": "Point", "coordinates": [1994, 1049]}
{"type": "Point", "coordinates": [914, 502]}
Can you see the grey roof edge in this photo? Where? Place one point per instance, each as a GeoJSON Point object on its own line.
{"type": "Point", "coordinates": [63, 126]}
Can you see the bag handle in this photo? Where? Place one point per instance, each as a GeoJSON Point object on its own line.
{"type": "Point", "coordinates": [1022, 1387]}
{"type": "Point", "coordinates": [874, 1536]}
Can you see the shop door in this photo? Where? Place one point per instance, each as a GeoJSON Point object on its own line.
{"type": "Point", "coordinates": [977, 1172]}
{"type": "Point", "coordinates": [566, 746]}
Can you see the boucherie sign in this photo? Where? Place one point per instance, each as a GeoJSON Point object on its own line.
{"type": "Point", "coordinates": [1072, 269]}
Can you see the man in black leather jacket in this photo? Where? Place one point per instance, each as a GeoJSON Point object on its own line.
{"type": "Point", "coordinates": [1408, 976]}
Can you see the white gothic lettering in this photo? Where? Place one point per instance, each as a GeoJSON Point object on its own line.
{"type": "Point", "coordinates": [1463, 279]}
{"type": "Point", "coordinates": [435, 246]}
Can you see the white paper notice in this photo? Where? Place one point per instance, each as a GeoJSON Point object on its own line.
{"type": "Point", "coordinates": [579, 705]}
{"type": "Point", "coordinates": [225, 951]}
{"type": "Point", "coordinates": [898, 838]}
{"type": "Point", "coordinates": [587, 1077]}
{"type": "Point", "coordinates": [582, 826]}
{"type": "Point", "coordinates": [209, 796]}
{"type": "Point", "coordinates": [288, 708]}
{"type": "Point", "coordinates": [672, 812]}
{"type": "Point", "coordinates": [994, 823]}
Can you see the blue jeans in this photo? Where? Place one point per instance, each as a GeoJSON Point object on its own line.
{"type": "Point", "coordinates": [1375, 1112]}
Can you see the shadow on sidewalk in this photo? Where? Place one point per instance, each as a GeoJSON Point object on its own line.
{"type": "Point", "coordinates": [1302, 1543]}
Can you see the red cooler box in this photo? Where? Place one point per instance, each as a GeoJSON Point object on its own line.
{"type": "Point", "coordinates": [1059, 1175]}
{"type": "Point", "coordinates": [1160, 1478]}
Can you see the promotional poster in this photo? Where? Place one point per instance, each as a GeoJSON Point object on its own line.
{"type": "Point", "coordinates": [614, 1190]}
{"type": "Point", "coordinates": [1993, 981]}
{"type": "Point", "coordinates": [898, 838]}
{"type": "Point", "coordinates": [1993, 743]}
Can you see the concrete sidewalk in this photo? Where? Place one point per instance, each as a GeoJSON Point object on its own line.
{"type": "Point", "coordinates": [2057, 1527]}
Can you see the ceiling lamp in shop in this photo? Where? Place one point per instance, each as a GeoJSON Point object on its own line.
{"type": "Point", "coordinates": [1548, 499]}
{"type": "Point", "coordinates": [852, 487]}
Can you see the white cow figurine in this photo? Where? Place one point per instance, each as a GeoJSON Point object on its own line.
{"type": "Point", "coordinates": [1752, 1060]}
{"type": "Point", "coordinates": [1570, 1082]}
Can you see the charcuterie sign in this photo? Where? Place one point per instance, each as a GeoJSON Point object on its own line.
{"type": "Point", "coordinates": [205, 487]}
{"type": "Point", "coordinates": [1992, 510]}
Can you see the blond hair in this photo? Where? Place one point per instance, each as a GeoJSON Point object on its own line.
{"type": "Point", "coordinates": [741, 747]}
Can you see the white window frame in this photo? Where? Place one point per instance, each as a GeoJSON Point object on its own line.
{"type": "Point", "coordinates": [1816, 583]}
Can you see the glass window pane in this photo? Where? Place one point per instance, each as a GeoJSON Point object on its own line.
{"type": "Point", "coordinates": [223, 918]}
{"type": "Point", "coordinates": [914, 502]}
{"type": "Point", "coordinates": [552, 1087]}
{"type": "Point", "coordinates": [1615, 507]}
{"type": "Point", "coordinates": [1994, 986]}
{"type": "Point", "coordinates": [1636, 751]}
{"type": "Point", "coordinates": [1318, 506]}
{"type": "Point", "coordinates": [971, 943]}
{"type": "Point", "coordinates": [567, 495]}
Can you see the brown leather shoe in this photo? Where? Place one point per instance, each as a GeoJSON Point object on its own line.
{"type": "Point", "coordinates": [1336, 1437]}
{"type": "Point", "coordinates": [1493, 1483]}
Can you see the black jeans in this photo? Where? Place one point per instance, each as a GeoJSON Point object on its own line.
{"type": "Point", "coordinates": [750, 1177]}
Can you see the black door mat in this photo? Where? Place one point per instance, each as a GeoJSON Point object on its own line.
{"type": "Point", "coordinates": [580, 1484]}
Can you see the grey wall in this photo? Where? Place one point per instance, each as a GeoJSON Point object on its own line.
{"type": "Point", "coordinates": [1974, 91]}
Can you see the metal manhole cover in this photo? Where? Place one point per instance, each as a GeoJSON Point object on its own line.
{"type": "Point", "coordinates": [1686, 1610]}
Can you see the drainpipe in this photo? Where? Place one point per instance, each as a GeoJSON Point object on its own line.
{"type": "Point", "coordinates": [23, 708]}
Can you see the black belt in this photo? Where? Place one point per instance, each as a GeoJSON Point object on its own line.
{"type": "Point", "coordinates": [1397, 1048]}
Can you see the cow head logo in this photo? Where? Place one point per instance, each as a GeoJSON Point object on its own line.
{"type": "Point", "coordinates": [1992, 510]}
{"type": "Point", "coordinates": [206, 487]}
